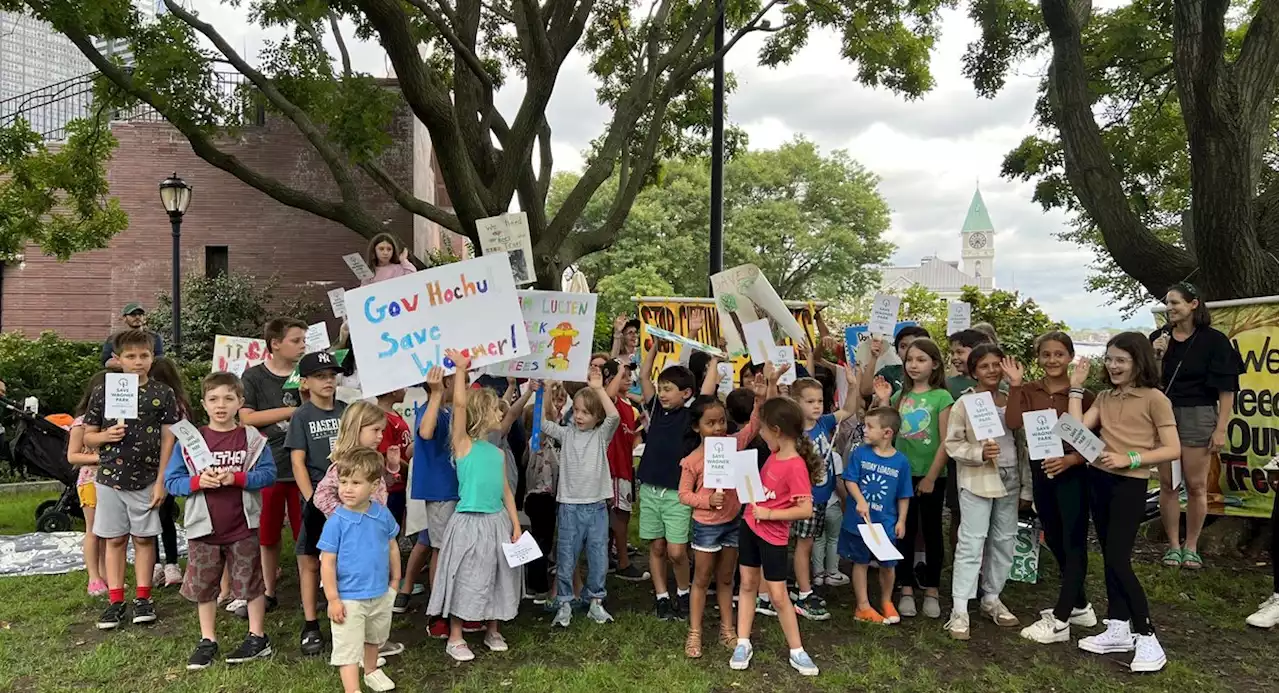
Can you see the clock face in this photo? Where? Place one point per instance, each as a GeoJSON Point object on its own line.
{"type": "Point", "coordinates": [977, 241]}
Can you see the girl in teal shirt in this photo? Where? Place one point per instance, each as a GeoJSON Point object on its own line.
{"type": "Point", "coordinates": [473, 581]}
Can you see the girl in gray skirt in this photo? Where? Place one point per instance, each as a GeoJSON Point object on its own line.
{"type": "Point", "coordinates": [473, 581]}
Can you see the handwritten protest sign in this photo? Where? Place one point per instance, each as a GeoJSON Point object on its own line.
{"type": "Point", "coordinates": [759, 340]}
{"type": "Point", "coordinates": [227, 350]}
{"type": "Point", "coordinates": [717, 466]}
{"type": "Point", "coordinates": [738, 292]}
{"type": "Point", "coordinates": [400, 328]}
{"type": "Point", "coordinates": [784, 356]}
{"type": "Point", "coordinates": [317, 338]}
{"type": "Point", "coordinates": [358, 266]}
{"type": "Point", "coordinates": [337, 302]}
{"type": "Point", "coordinates": [1071, 430]}
{"type": "Point", "coordinates": [559, 329]}
{"type": "Point", "coordinates": [525, 550]}
{"type": "Point", "coordinates": [984, 418]}
{"type": "Point", "coordinates": [510, 233]}
{"type": "Point", "coordinates": [959, 315]}
{"type": "Point", "coordinates": [121, 397]}
{"type": "Point", "coordinates": [884, 314]}
{"type": "Point", "coordinates": [193, 444]}
{"type": "Point", "coordinates": [659, 333]}
{"type": "Point", "coordinates": [1042, 443]}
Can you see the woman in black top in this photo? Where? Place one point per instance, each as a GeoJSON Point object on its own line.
{"type": "Point", "coordinates": [1200, 372]}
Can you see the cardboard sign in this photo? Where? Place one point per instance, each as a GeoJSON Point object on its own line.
{"type": "Point", "coordinates": [984, 417]}
{"type": "Point", "coordinates": [227, 350]}
{"type": "Point", "coordinates": [193, 443]}
{"type": "Point", "coordinates": [358, 266]}
{"type": "Point", "coordinates": [525, 550]}
{"type": "Point", "coordinates": [784, 356]}
{"type": "Point", "coordinates": [759, 340]}
{"type": "Point", "coordinates": [317, 338]}
{"type": "Point", "coordinates": [510, 233]}
{"type": "Point", "coordinates": [884, 314]}
{"type": "Point", "coordinates": [559, 329]}
{"type": "Point", "coordinates": [738, 292]}
{"type": "Point", "coordinates": [337, 302]}
{"type": "Point", "coordinates": [876, 539]}
{"type": "Point", "coordinates": [959, 315]}
{"type": "Point", "coordinates": [1072, 431]}
{"type": "Point", "coordinates": [1042, 443]}
{"type": "Point", "coordinates": [121, 397]}
{"type": "Point", "coordinates": [659, 333]}
{"type": "Point", "coordinates": [717, 466]}
{"type": "Point", "coordinates": [746, 477]}
{"type": "Point", "coordinates": [400, 328]}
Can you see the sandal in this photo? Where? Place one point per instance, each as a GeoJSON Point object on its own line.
{"type": "Point", "coordinates": [693, 645]}
{"type": "Point", "coordinates": [1191, 560]}
{"type": "Point", "coordinates": [728, 636]}
{"type": "Point", "coordinates": [1172, 558]}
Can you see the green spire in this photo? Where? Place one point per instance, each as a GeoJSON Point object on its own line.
{"type": "Point", "coordinates": [977, 219]}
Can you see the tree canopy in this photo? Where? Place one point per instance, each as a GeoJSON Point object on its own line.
{"type": "Point", "coordinates": [651, 60]}
{"type": "Point", "coordinates": [812, 223]}
{"type": "Point", "coordinates": [1157, 131]}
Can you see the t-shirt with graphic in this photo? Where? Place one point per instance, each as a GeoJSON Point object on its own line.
{"type": "Point", "coordinates": [133, 463]}
{"type": "Point", "coordinates": [226, 504]}
{"type": "Point", "coordinates": [397, 434]}
{"type": "Point", "coordinates": [919, 437]}
{"type": "Point", "coordinates": [823, 434]}
{"type": "Point", "coordinates": [785, 481]}
{"type": "Point", "coordinates": [264, 390]}
{"type": "Point", "coordinates": [882, 481]}
{"type": "Point", "coordinates": [314, 430]}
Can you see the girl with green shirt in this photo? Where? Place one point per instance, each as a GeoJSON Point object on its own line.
{"type": "Point", "coordinates": [925, 405]}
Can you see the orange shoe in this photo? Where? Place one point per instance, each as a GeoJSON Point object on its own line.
{"type": "Point", "coordinates": [890, 614]}
{"type": "Point", "coordinates": [869, 615]}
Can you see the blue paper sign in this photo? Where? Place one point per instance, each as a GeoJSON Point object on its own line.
{"type": "Point", "coordinates": [856, 334]}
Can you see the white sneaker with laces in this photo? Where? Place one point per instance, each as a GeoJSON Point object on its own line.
{"type": "Point", "coordinates": [995, 610]}
{"type": "Point", "coordinates": [1149, 655]}
{"type": "Point", "coordinates": [157, 575]}
{"type": "Point", "coordinates": [1083, 617]}
{"type": "Point", "coordinates": [837, 579]}
{"type": "Point", "coordinates": [597, 613]}
{"type": "Point", "coordinates": [1116, 638]}
{"type": "Point", "coordinates": [564, 615]}
{"type": "Point", "coordinates": [236, 604]}
{"type": "Point", "coordinates": [379, 681]}
{"type": "Point", "coordinates": [1047, 630]}
{"type": "Point", "coordinates": [1267, 615]}
{"type": "Point", "coordinates": [958, 625]}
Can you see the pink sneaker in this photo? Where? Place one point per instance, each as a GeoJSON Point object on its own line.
{"type": "Point", "coordinates": [97, 588]}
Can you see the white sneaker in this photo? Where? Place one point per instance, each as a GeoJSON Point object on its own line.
{"type": "Point", "coordinates": [1149, 655]}
{"type": "Point", "coordinates": [837, 579]}
{"type": "Point", "coordinates": [930, 607]}
{"type": "Point", "coordinates": [597, 613]}
{"type": "Point", "coordinates": [1267, 615]}
{"type": "Point", "coordinates": [157, 575]}
{"type": "Point", "coordinates": [1116, 638]}
{"type": "Point", "coordinates": [958, 625]}
{"type": "Point", "coordinates": [1084, 618]}
{"type": "Point", "coordinates": [378, 681]}
{"type": "Point", "coordinates": [236, 604]}
{"type": "Point", "coordinates": [907, 606]}
{"type": "Point", "coordinates": [495, 642]}
{"type": "Point", "coordinates": [1047, 630]}
{"type": "Point", "coordinates": [995, 610]}
{"type": "Point", "coordinates": [564, 615]}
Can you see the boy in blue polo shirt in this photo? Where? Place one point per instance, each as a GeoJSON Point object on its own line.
{"type": "Point", "coordinates": [360, 567]}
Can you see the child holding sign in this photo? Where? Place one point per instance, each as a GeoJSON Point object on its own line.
{"type": "Point", "coordinates": [223, 486]}
{"type": "Point", "coordinates": [1138, 432]}
{"type": "Point", "coordinates": [1058, 484]}
{"type": "Point", "coordinates": [130, 482]}
{"type": "Point", "coordinates": [787, 496]}
{"type": "Point", "coordinates": [715, 514]}
{"type": "Point", "coordinates": [80, 455]}
{"type": "Point", "coordinates": [993, 473]}
{"type": "Point", "coordinates": [387, 258]}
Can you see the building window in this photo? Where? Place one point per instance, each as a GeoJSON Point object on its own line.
{"type": "Point", "coordinates": [216, 261]}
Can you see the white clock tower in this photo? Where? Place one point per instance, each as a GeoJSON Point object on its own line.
{"type": "Point", "coordinates": [978, 243]}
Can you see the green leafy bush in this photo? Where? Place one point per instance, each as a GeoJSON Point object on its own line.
{"type": "Point", "coordinates": [51, 368]}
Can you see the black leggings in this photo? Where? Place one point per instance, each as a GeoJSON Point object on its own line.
{"type": "Point", "coordinates": [169, 530]}
{"type": "Point", "coordinates": [1062, 504]}
{"type": "Point", "coordinates": [924, 515]}
{"type": "Point", "coordinates": [1118, 503]}
{"type": "Point", "coordinates": [541, 509]}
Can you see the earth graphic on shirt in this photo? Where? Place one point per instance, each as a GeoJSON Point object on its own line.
{"type": "Point", "coordinates": [915, 424]}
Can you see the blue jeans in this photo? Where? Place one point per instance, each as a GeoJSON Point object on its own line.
{"type": "Point", "coordinates": [579, 524]}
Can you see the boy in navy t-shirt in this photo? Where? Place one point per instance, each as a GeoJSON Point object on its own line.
{"type": "Point", "coordinates": [878, 478]}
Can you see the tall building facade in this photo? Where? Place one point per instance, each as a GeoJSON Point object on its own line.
{"type": "Point", "coordinates": [115, 48]}
{"type": "Point", "coordinates": [34, 56]}
{"type": "Point", "coordinates": [946, 277]}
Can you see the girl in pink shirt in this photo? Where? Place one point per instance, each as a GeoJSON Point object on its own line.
{"type": "Point", "coordinates": [715, 518]}
{"type": "Point", "coordinates": [382, 256]}
{"type": "Point", "coordinates": [788, 479]}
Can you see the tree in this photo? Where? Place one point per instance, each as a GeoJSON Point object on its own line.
{"type": "Point", "coordinates": [1179, 181]}
{"type": "Point", "coordinates": [651, 59]}
{"type": "Point", "coordinates": [812, 223]}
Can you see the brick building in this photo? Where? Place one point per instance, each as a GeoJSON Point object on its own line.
{"type": "Point", "coordinates": [228, 226]}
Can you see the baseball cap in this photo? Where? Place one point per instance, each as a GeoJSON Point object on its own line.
{"type": "Point", "coordinates": [133, 307]}
{"type": "Point", "coordinates": [317, 362]}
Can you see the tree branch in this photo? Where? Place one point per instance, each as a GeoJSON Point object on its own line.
{"type": "Point", "coordinates": [461, 50]}
{"type": "Point", "coordinates": [342, 44]}
{"type": "Point", "coordinates": [409, 201]}
{"type": "Point", "coordinates": [1256, 68]}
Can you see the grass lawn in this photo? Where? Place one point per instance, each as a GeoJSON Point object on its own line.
{"type": "Point", "coordinates": [48, 642]}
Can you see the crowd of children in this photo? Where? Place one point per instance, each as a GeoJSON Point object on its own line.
{"type": "Point", "coordinates": [886, 458]}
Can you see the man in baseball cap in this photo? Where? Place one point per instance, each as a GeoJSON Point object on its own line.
{"type": "Point", "coordinates": [135, 318]}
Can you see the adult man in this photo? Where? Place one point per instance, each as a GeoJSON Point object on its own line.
{"type": "Point", "coordinates": [135, 318]}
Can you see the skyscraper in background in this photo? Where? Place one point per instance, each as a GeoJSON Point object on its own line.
{"type": "Point", "coordinates": [32, 56]}
{"type": "Point", "coordinates": [149, 9]}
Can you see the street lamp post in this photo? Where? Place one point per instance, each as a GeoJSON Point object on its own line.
{"type": "Point", "coordinates": [716, 251]}
{"type": "Point", "coordinates": [175, 194]}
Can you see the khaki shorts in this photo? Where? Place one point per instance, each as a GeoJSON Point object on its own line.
{"type": "Point", "coordinates": [367, 621]}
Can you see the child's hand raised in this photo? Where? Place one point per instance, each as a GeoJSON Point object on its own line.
{"type": "Point", "coordinates": [337, 613]}
{"type": "Point", "coordinates": [876, 347]}
{"type": "Point", "coordinates": [882, 388]}
{"type": "Point", "coordinates": [1012, 370]}
{"type": "Point", "coordinates": [850, 375]}
{"type": "Point", "coordinates": [696, 320]}
{"type": "Point", "coordinates": [404, 254]}
{"type": "Point", "coordinates": [460, 360]}
{"type": "Point", "coordinates": [759, 385]}
{"type": "Point", "coordinates": [776, 373]}
{"type": "Point", "coordinates": [435, 379]}
{"type": "Point", "coordinates": [535, 385]}
{"type": "Point", "coordinates": [595, 378]}
{"type": "Point", "coordinates": [393, 459]}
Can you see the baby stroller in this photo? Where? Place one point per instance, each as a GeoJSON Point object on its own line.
{"type": "Point", "coordinates": [39, 447]}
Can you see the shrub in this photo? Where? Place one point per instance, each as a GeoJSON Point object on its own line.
{"type": "Point", "coordinates": [51, 368]}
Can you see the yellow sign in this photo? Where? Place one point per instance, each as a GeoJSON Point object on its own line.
{"type": "Point", "coordinates": [1239, 485]}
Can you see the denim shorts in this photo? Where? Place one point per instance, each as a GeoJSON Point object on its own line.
{"type": "Point", "coordinates": [712, 538]}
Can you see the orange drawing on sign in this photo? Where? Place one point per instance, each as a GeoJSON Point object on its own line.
{"type": "Point", "coordinates": [562, 341]}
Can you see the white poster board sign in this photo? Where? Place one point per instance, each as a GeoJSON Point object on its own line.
{"type": "Point", "coordinates": [525, 550]}
{"type": "Point", "coordinates": [1072, 431]}
{"type": "Point", "coordinates": [784, 356]}
{"type": "Point", "coordinates": [738, 292]}
{"type": "Point", "coordinates": [746, 477]}
{"type": "Point", "coordinates": [759, 340]}
{"type": "Point", "coordinates": [876, 539]}
{"type": "Point", "coordinates": [358, 266]}
{"type": "Point", "coordinates": [559, 329]}
{"type": "Point", "coordinates": [337, 303]}
{"type": "Point", "coordinates": [227, 350]}
{"type": "Point", "coordinates": [193, 443]}
{"type": "Point", "coordinates": [984, 417]}
{"type": "Point", "coordinates": [400, 328]}
{"type": "Point", "coordinates": [121, 397]}
{"type": "Point", "coordinates": [317, 338]}
{"type": "Point", "coordinates": [725, 371]}
{"type": "Point", "coordinates": [884, 315]}
{"type": "Point", "coordinates": [510, 233]}
{"type": "Point", "coordinates": [959, 315]}
{"type": "Point", "coordinates": [1042, 442]}
{"type": "Point", "coordinates": [717, 465]}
